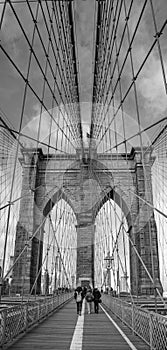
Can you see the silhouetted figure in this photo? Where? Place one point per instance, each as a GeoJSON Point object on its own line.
{"type": "Point", "coordinates": [84, 290]}
{"type": "Point", "coordinates": [78, 296]}
{"type": "Point", "coordinates": [97, 296]}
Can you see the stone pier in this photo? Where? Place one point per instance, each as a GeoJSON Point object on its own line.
{"type": "Point", "coordinates": [86, 184]}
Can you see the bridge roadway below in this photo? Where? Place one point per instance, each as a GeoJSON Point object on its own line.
{"type": "Point", "coordinates": [65, 330]}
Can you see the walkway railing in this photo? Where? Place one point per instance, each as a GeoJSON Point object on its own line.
{"type": "Point", "coordinates": [149, 326]}
{"type": "Point", "coordinates": [15, 320]}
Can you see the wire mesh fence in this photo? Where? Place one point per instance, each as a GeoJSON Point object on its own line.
{"type": "Point", "coordinates": [149, 326]}
{"type": "Point", "coordinates": [16, 320]}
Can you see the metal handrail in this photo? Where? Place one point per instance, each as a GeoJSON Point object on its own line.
{"type": "Point", "coordinates": [15, 320]}
{"type": "Point", "coordinates": [151, 327]}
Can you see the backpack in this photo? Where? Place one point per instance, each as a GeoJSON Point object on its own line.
{"type": "Point", "coordinates": [79, 297]}
{"type": "Point", "coordinates": [89, 297]}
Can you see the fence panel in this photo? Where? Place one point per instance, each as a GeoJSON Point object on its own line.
{"type": "Point", "coordinates": [149, 326]}
{"type": "Point", "coordinates": [17, 319]}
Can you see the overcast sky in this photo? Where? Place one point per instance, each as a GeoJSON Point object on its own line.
{"type": "Point", "coordinates": [150, 86]}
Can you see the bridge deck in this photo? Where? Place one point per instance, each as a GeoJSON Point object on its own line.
{"type": "Point", "coordinates": [65, 330]}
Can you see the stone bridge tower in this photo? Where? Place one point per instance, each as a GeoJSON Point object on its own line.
{"type": "Point", "coordinates": [86, 184]}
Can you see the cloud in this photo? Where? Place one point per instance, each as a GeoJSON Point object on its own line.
{"type": "Point", "coordinates": [1, 8]}
{"type": "Point", "coordinates": [38, 125]}
{"type": "Point", "coordinates": [47, 126]}
{"type": "Point", "coordinates": [11, 31]}
{"type": "Point", "coordinates": [84, 18]}
{"type": "Point", "coordinates": [150, 85]}
{"type": "Point", "coordinates": [150, 80]}
{"type": "Point", "coordinates": [152, 88]}
{"type": "Point", "coordinates": [10, 26]}
{"type": "Point", "coordinates": [15, 41]}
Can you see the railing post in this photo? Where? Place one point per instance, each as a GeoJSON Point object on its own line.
{"type": "Point", "coordinates": [46, 306]}
{"type": "Point", "coordinates": [38, 305]}
{"type": "Point", "coordinates": [58, 299]}
{"type": "Point", "coordinates": [150, 331]}
{"type": "Point", "coordinates": [133, 319]}
{"type": "Point", "coordinates": [26, 316]}
{"type": "Point", "coordinates": [123, 311]}
{"type": "Point", "coordinates": [112, 304]}
{"type": "Point", "coordinates": [3, 323]}
{"type": "Point", "coordinates": [53, 302]}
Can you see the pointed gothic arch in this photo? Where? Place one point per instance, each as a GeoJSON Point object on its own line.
{"type": "Point", "coordinates": [86, 185]}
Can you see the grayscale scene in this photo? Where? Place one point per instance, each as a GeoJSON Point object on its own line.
{"type": "Point", "coordinates": [83, 174]}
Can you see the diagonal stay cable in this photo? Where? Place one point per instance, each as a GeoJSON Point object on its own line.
{"type": "Point", "coordinates": [54, 231]}
{"type": "Point", "coordinates": [53, 238]}
{"type": "Point", "coordinates": [140, 258]}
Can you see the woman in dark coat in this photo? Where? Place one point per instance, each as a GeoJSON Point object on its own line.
{"type": "Point", "coordinates": [97, 296]}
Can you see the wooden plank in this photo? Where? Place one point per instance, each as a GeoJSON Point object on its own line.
{"type": "Point", "coordinates": [137, 341]}
{"type": "Point", "coordinates": [54, 333]}
{"type": "Point", "coordinates": [57, 331]}
{"type": "Point", "coordinates": [100, 334]}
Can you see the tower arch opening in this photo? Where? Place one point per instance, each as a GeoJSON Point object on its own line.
{"type": "Point", "coordinates": [111, 248]}
{"type": "Point", "coordinates": [59, 248]}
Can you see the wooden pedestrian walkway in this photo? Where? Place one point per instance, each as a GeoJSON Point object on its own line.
{"type": "Point", "coordinates": [65, 330]}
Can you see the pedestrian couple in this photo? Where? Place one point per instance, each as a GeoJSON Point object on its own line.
{"type": "Point", "coordinates": [95, 297]}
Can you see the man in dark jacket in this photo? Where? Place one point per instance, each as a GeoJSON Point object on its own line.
{"type": "Point", "coordinates": [97, 296]}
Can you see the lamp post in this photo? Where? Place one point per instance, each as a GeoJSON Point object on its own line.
{"type": "Point", "coordinates": [109, 260]}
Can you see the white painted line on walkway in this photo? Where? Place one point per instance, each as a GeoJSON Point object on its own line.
{"type": "Point", "coordinates": [119, 330]}
{"type": "Point", "coordinates": [76, 343]}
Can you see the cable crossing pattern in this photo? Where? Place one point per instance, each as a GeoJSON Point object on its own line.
{"type": "Point", "coordinates": [51, 170]}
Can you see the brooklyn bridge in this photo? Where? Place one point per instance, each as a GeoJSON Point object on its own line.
{"type": "Point", "coordinates": [83, 173]}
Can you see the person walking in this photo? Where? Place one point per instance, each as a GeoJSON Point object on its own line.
{"type": "Point", "coordinates": [89, 298]}
{"type": "Point", "coordinates": [97, 296]}
{"type": "Point", "coordinates": [84, 290]}
{"type": "Point", "coordinates": [78, 296]}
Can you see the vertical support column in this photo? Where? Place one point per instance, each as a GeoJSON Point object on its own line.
{"type": "Point", "coordinates": [37, 242]}
{"type": "Point", "coordinates": [133, 234]}
{"type": "Point", "coordinates": [85, 254]}
{"type": "Point", "coordinates": [22, 271]}
{"type": "Point", "coordinates": [56, 274]}
{"type": "Point", "coordinates": [147, 231]}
